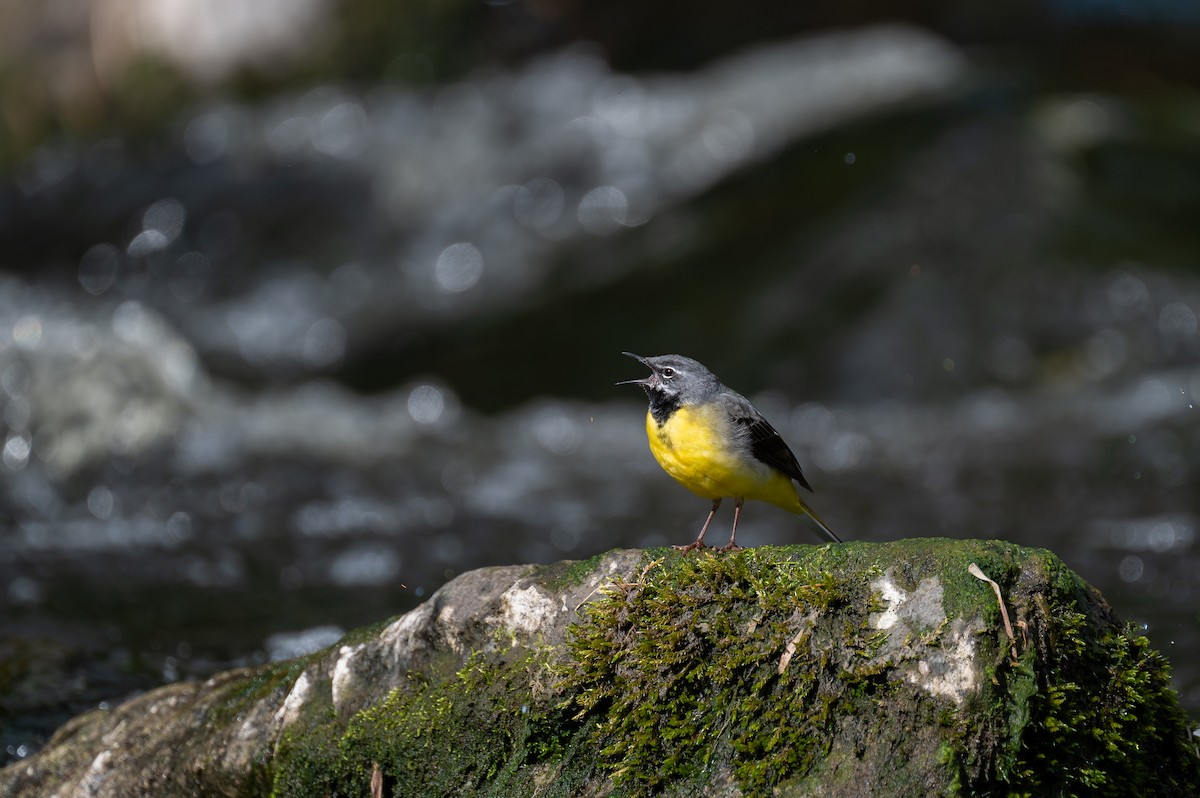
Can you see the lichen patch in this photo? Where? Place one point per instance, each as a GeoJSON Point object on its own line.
{"type": "Point", "coordinates": [96, 774]}
{"type": "Point", "coordinates": [526, 610]}
{"type": "Point", "coordinates": [941, 662]}
{"type": "Point", "coordinates": [343, 673]}
{"type": "Point", "coordinates": [289, 713]}
{"type": "Point", "coordinates": [920, 607]}
{"type": "Point", "coordinates": [950, 670]}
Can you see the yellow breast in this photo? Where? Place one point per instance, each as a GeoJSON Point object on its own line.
{"type": "Point", "coordinates": [695, 445]}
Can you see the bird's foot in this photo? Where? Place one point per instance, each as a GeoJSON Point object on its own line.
{"type": "Point", "coordinates": [695, 545]}
{"type": "Point", "coordinates": [731, 546]}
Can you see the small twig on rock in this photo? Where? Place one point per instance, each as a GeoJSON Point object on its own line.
{"type": "Point", "coordinates": [618, 584]}
{"type": "Point", "coordinates": [790, 651]}
{"type": "Point", "coordinates": [974, 570]}
{"type": "Point", "coordinates": [376, 781]}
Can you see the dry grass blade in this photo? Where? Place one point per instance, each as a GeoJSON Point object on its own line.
{"type": "Point", "coordinates": [976, 572]}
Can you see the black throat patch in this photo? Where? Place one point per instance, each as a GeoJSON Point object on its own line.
{"type": "Point", "coordinates": [662, 405]}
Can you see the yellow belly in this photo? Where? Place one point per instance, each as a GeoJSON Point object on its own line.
{"type": "Point", "coordinates": [692, 446]}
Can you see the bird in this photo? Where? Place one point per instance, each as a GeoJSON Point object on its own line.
{"type": "Point", "coordinates": [716, 444]}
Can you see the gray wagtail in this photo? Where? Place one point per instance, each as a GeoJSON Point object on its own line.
{"type": "Point", "coordinates": [716, 444]}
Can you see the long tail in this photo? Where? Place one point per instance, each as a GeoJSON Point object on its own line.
{"type": "Point", "coordinates": [824, 526]}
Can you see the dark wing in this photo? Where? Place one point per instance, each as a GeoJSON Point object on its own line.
{"type": "Point", "coordinates": [766, 445]}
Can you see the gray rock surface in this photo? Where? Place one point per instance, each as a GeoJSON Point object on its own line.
{"type": "Point", "coordinates": [832, 670]}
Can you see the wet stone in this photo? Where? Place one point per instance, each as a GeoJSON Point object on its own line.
{"type": "Point", "coordinates": [833, 670]}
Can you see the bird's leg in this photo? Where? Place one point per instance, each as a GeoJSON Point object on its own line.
{"type": "Point", "coordinates": [698, 543]}
{"type": "Point", "coordinates": [732, 544]}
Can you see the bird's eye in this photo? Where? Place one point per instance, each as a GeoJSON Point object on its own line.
{"type": "Point", "coordinates": [668, 372]}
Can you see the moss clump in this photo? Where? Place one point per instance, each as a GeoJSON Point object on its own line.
{"type": "Point", "coordinates": [244, 693]}
{"type": "Point", "coordinates": [568, 573]}
{"type": "Point", "coordinates": [480, 730]}
{"type": "Point", "coordinates": [436, 738]}
{"type": "Point", "coordinates": [308, 758]}
{"type": "Point", "coordinates": [1086, 706]}
{"type": "Point", "coordinates": [765, 665]}
{"type": "Point", "coordinates": [704, 661]}
{"type": "Point", "coordinates": [1102, 719]}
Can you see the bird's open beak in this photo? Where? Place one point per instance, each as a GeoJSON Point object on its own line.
{"type": "Point", "coordinates": [644, 380]}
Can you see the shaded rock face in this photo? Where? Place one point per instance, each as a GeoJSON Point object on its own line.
{"type": "Point", "coordinates": [833, 670]}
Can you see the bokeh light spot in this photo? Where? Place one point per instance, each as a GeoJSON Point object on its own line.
{"type": "Point", "coordinates": [459, 267]}
{"type": "Point", "coordinates": [100, 502]}
{"type": "Point", "coordinates": [167, 216]}
{"type": "Point", "coordinates": [1131, 568]}
{"type": "Point", "coordinates": [425, 404]}
{"type": "Point", "coordinates": [556, 431]}
{"type": "Point", "coordinates": [147, 243]}
{"type": "Point", "coordinates": [17, 413]}
{"type": "Point", "coordinates": [15, 379]}
{"type": "Point", "coordinates": [189, 276]}
{"type": "Point", "coordinates": [366, 564]}
{"type": "Point", "coordinates": [603, 210]}
{"type": "Point", "coordinates": [324, 343]}
{"type": "Point", "coordinates": [98, 268]}
{"type": "Point", "coordinates": [179, 526]}
{"type": "Point", "coordinates": [342, 131]}
{"type": "Point", "coordinates": [539, 203]}
{"type": "Point", "coordinates": [24, 590]}
{"type": "Point", "coordinates": [1177, 321]}
{"type": "Point", "coordinates": [1127, 295]}
{"type": "Point", "coordinates": [27, 332]}
{"type": "Point", "coordinates": [206, 138]}
{"type": "Point", "coordinates": [16, 451]}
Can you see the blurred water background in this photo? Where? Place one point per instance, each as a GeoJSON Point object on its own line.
{"type": "Point", "coordinates": [306, 307]}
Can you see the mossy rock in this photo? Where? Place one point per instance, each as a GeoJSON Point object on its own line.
{"type": "Point", "coordinates": [888, 669]}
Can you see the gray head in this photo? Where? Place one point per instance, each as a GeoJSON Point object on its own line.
{"type": "Point", "coordinates": [674, 380]}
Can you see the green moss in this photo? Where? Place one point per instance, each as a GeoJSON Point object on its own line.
{"type": "Point", "coordinates": [912, 559]}
{"type": "Point", "coordinates": [568, 573]}
{"type": "Point", "coordinates": [679, 669]}
{"type": "Point", "coordinates": [763, 666]}
{"type": "Point", "coordinates": [467, 731]}
{"type": "Point", "coordinates": [241, 696]}
{"type": "Point", "coordinates": [246, 692]}
{"type": "Point", "coordinates": [482, 729]}
{"type": "Point", "coordinates": [1086, 708]}
{"type": "Point", "coordinates": [365, 634]}
{"type": "Point", "coordinates": [308, 758]}
{"type": "Point", "coordinates": [1099, 716]}
{"type": "Point", "coordinates": [722, 660]}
